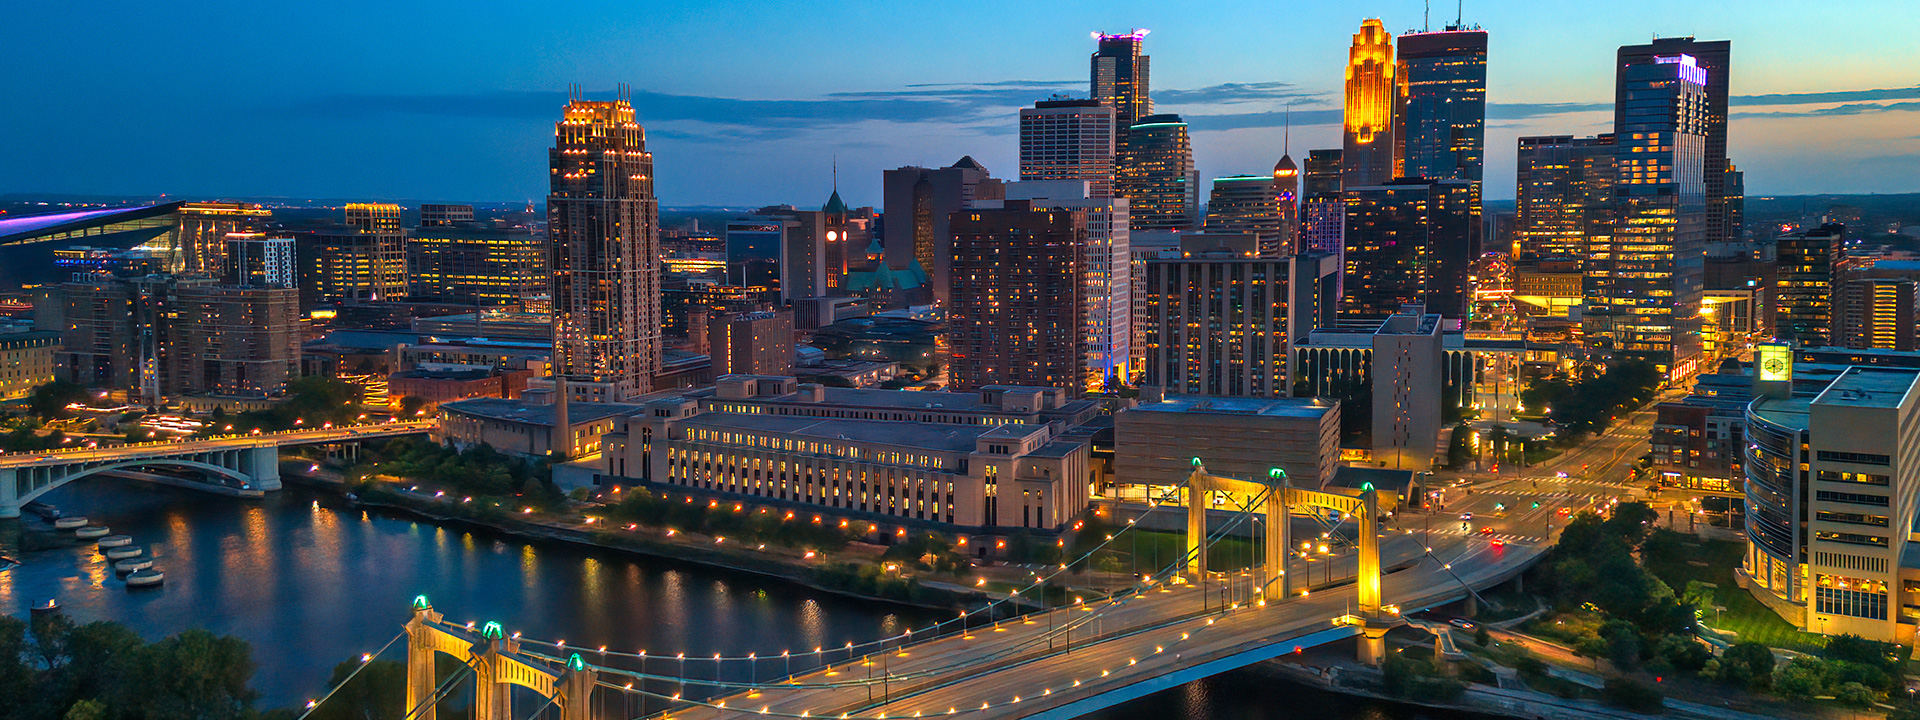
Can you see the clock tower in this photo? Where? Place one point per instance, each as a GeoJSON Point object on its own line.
{"type": "Point", "coordinates": [1773, 370]}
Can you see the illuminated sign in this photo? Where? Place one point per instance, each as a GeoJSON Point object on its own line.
{"type": "Point", "coordinates": [1775, 363]}
{"type": "Point", "coordinates": [1690, 69]}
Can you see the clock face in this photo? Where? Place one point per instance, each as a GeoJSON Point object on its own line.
{"type": "Point", "coordinates": [1774, 365]}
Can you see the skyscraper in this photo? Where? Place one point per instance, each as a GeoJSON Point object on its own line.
{"type": "Point", "coordinates": [1157, 176]}
{"type": "Point", "coordinates": [1119, 81]}
{"type": "Point", "coordinates": [473, 264]}
{"type": "Point", "coordinates": [920, 203]}
{"type": "Point", "coordinates": [1644, 282]}
{"type": "Point", "coordinates": [1064, 139]}
{"type": "Point", "coordinates": [1803, 289]}
{"type": "Point", "coordinates": [603, 222]}
{"type": "Point", "coordinates": [1220, 319]}
{"type": "Point", "coordinates": [1017, 313]}
{"type": "Point", "coordinates": [1107, 265]}
{"type": "Point", "coordinates": [1249, 204]}
{"type": "Point", "coordinates": [1874, 313]}
{"type": "Point", "coordinates": [1444, 114]}
{"type": "Point", "coordinates": [1722, 217]}
{"type": "Point", "coordinates": [1323, 215]}
{"type": "Point", "coordinates": [259, 260]}
{"type": "Point", "coordinates": [1410, 241]}
{"type": "Point", "coordinates": [1373, 93]}
{"type": "Point", "coordinates": [1286, 185]}
{"type": "Point", "coordinates": [1563, 188]}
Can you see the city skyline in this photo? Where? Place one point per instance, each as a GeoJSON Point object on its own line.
{"type": "Point", "coordinates": [725, 99]}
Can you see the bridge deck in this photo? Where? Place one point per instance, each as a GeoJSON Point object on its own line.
{"type": "Point", "coordinates": [1012, 669]}
{"type": "Point", "coordinates": [54, 458]}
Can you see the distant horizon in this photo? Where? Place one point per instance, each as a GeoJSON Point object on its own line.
{"type": "Point", "coordinates": [755, 105]}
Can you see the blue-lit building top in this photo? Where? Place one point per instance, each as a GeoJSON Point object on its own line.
{"type": "Point", "coordinates": [1445, 113]}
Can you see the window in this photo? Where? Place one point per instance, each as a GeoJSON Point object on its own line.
{"type": "Point", "coordinates": [1852, 518]}
{"type": "Point", "coordinates": [1851, 498]}
{"type": "Point", "coordinates": [1851, 538]}
{"type": "Point", "coordinates": [1850, 477]}
{"type": "Point", "coordinates": [1852, 597]}
{"type": "Point", "coordinates": [1855, 458]}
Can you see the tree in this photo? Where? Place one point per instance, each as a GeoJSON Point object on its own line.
{"type": "Point", "coordinates": [1749, 664]}
{"type": "Point", "coordinates": [1623, 644]}
{"type": "Point", "coordinates": [50, 400]}
{"type": "Point", "coordinates": [1799, 680]}
{"type": "Point", "coordinates": [1632, 695]}
{"type": "Point", "coordinates": [197, 675]}
{"type": "Point", "coordinates": [412, 406]}
{"type": "Point", "coordinates": [1854, 694]}
{"type": "Point", "coordinates": [379, 692]}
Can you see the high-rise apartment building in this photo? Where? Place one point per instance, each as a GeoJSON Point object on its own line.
{"type": "Point", "coordinates": [1563, 190]}
{"type": "Point", "coordinates": [471, 264]}
{"type": "Point", "coordinates": [1065, 139]}
{"type": "Point", "coordinates": [1645, 280]}
{"type": "Point", "coordinates": [1250, 204]}
{"type": "Point", "coordinates": [1724, 201]}
{"type": "Point", "coordinates": [1808, 261]}
{"type": "Point", "coordinates": [603, 225]}
{"type": "Point", "coordinates": [1107, 265]}
{"type": "Point", "coordinates": [436, 215]}
{"type": "Point", "coordinates": [1373, 93]}
{"type": "Point", "coordinates": [1410, 242]}
{"type": "Point", "coordinates": [1157, 176]}
{"type": "Point", "coordinates": [200, 243]}
{"type": "Point", "coordinates": [1874, 313]}
{"type": "Point", "coordinates": [260, 260]}
{"type": "Point", "coordinates": [1444, 112]}
{"type": "Point", "coordinates": [751, 343]}
{"type": "Point", "coordinates": [347, 264]}
{"type": "Point", "coordinates": [1119, 80]}
{"type": "Point", "coordinates": [162, 336]}
{"type": "Point", "coordinates": [920, 203]}
{"type": "Point", "coordinates": [783, 249]}
{"type": "Point", "coordinates": [1017, 316]}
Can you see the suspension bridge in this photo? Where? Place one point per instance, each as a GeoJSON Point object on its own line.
{"type": "Point", "coordinates": [1172, 625]}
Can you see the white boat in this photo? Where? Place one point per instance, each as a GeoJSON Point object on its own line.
{"type": "Point", "coordinates": [114, 541]}
{"type": "Point", "coordinates": [70, 523]}
{"type": "Point", "coordinates": [91, 532]}
{"type": "Point", "coordinates": [123, 552]}
{"type": "Point", "coordinates": [145, 578]}
{"type": "Point", "coordinates": [132, 564]}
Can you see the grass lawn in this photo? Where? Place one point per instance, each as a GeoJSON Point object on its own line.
{"type": "Point", "coordinates": [1744, 614]}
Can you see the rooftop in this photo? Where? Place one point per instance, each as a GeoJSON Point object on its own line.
{"type": "Point", "coordinates": [1869, 388]}
{"type": "Point", "coordinates": [524, 411]}
{"type": "Point", "coordinates": [919, 436]}
{"type": "Point", "coordinates": [1270, 407]}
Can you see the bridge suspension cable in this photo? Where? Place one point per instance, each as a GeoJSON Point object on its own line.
{"type": "Point", "coordinates": [1091, 615]}
{"type": "Point", "coordinates": [365, 660]}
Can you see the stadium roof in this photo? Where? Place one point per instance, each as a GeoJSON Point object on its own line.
{"type": "Point", "coordinates": [148, 220]}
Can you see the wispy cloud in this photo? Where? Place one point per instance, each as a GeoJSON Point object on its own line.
{"type": "Point", "coordinates": [1835, 111]}
{"type": "Point", "coordinates": [1815, 98]}
{"type": "Point", "coordinates": [1232, 93]}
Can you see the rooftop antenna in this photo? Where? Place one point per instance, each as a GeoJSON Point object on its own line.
{"type": "Point", "coordinates": [836, 172]}
{"type": "Point", "coordinates": [1460, 14]}
{"type": "Point", "coordinates": [1426, 16]}
{"type": "Point", "coordinates": [1286, 134]}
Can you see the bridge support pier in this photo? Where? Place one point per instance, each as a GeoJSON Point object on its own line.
{"type": "Point", "coordinates": [9, 493]}
{"type": "Point", "coordinates": [262, 464]}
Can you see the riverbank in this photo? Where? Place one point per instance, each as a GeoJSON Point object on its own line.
{"type": "Point", "coordinates": [935, 594]}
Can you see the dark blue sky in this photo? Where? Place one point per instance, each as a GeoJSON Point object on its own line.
{"type": "Point", "coordinates": [747, 103]}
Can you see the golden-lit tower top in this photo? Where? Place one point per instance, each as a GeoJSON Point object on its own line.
{"type": "Point", "coordinates": [1369, 156]}
{"type": "Point", "coordinates": [1370, 82]}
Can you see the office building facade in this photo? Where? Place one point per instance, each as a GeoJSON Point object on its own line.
{"type": "Point", "coordinates": [200, 242]}
{"type": "Point", "coordinates": [1808, 262]}
{"type": "Point", "coordinates": [1563, 190]}
{"type": "Point", "coordinates": [1220, 319]}
{"type": "Point", "coordinates": [1157, 176]}
{"type": "Point", "coordinates": [468, 264]}
{"type": "Point", "coordinates": [1645, 279]}
{"type": "Point", "coordinates": [1119, 80]}
{"type": "Point", "coordinates": [751, 343]}
{"type": "Point", "coordinates": [260, 260]}
{"type": "Point", "coordinates": [603, 226]}
{"type": "Point", "coordinates": [1875, 314]}
{"type": "Point", "coordinates": [441, 214]}
{"type": "Point", "coordinates": [920, 203]}
{"type": "Point", "coordinates": [1443, 115]}
{"type": "Point", "coordinates": [1722, 184]}
{"type": "Point", "coordinates": [1410, 242]}
{"type": "Point", "coordinates": [1249, 204]}
{"type": "Point", "coordinates": [1068, 140]}
{"type": "Point", "coordinates": [1107, 262]}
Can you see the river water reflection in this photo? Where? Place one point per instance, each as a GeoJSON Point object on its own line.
{"type": "Point", "coordinates": [311, 582]}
